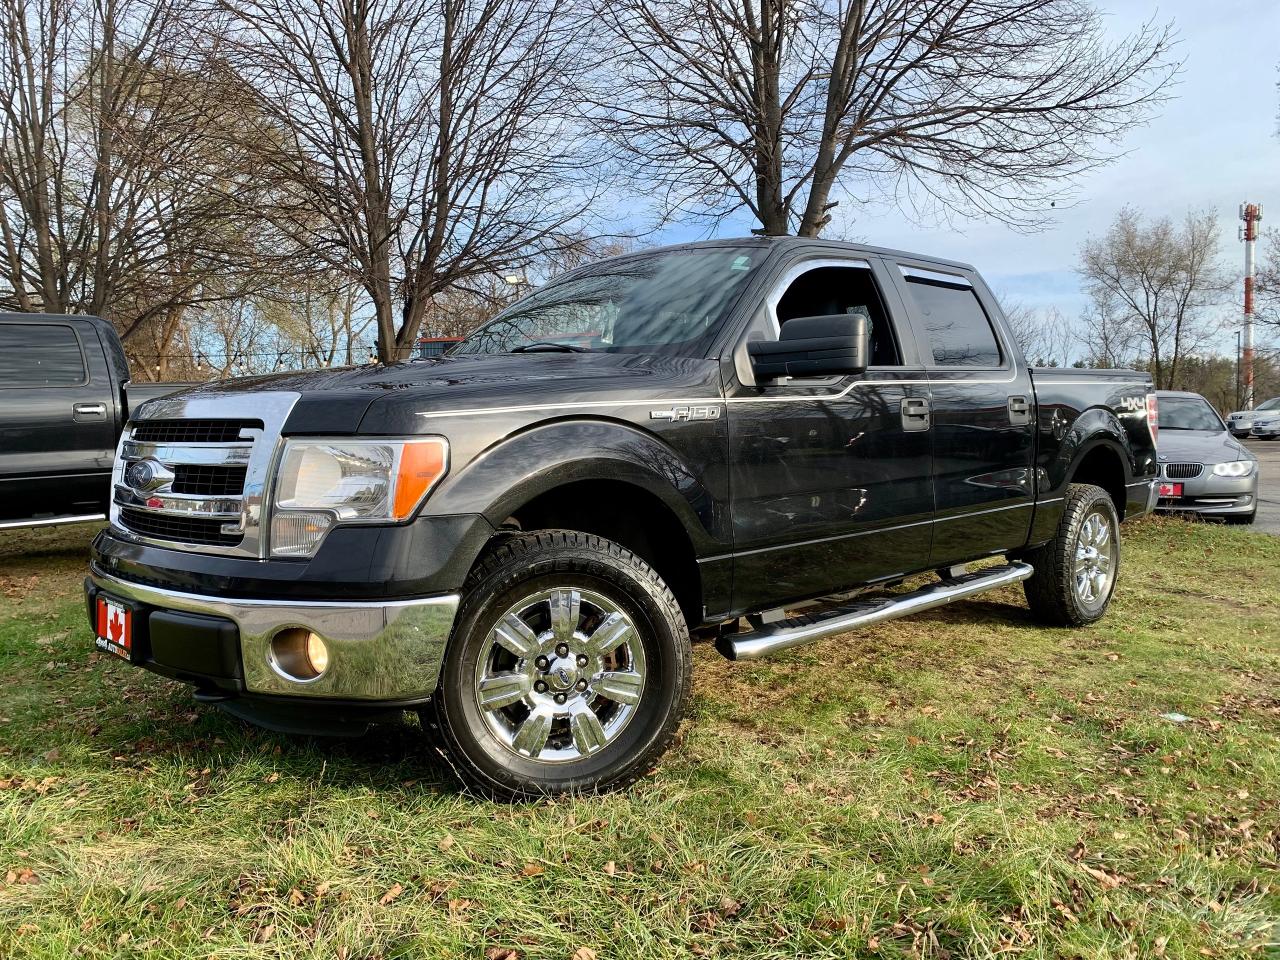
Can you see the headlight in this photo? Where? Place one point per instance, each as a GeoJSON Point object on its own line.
{"type": "Point", "coordinates": [1233, 468]}
{"type": "Point", "coordinates": [326, 482]}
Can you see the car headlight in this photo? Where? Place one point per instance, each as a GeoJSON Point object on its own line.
{"type": "Point", "coordinates": [1233, 468]}
{"type": "Point", "coordinates": [322, 483]}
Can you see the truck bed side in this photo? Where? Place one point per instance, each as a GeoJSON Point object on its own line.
{"type": "Point", "coordinates": [1091, 428]}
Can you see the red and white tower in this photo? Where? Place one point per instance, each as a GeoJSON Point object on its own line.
{"type": "Point", "coordinates": [1251, 214]}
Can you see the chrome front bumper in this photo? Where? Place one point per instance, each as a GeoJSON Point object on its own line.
{"type": "Point", "coordinates": [378, 650]}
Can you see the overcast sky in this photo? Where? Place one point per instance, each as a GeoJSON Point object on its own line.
{"type": "Point", "coordinates": [1211, 147]}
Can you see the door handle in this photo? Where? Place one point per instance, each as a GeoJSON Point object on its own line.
{"type": "Point", "coordinates": [915, 414]}
{"type": "Point", "coordinates": [1019, 411]}
{"type": "Point", "coordinates": [89, 411]}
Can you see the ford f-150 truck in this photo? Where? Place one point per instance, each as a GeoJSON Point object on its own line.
{"type": "Point", "coordinates": [65, 395]}
{"type": "Point", "coordinates": [753, 441]}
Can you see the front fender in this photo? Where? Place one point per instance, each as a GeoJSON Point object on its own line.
{"type": "Point", "coordinates": [516, 469]}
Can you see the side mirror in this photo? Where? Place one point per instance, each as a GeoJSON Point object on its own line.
{"type": "Point", "coordinates": [814, 347]}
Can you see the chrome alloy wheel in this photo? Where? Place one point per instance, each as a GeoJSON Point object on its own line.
{"type": "Point", "coordinates": [1095, 559]}
{"type": "Point", "coordinates": [561, 675]}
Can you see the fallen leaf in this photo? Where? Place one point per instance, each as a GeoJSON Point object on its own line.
{"type": "Point", "coordinates": [391, 894]}
{"type": "Point", "coordinates": [730, 907]}
{"type": "Point", "coordinates": [584, 953]}
{"type": "Point", "coordinates": [611, 868]}
{"type": "Point", "coordinates": [501, 953]}
{"type": "Point", "coordinates": [533, 869]}
{"type": "Point", "coordinates": [446, 842]}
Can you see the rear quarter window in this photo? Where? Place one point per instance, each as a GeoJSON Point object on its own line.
{"type": "Point", "coordinates": [40, 355]}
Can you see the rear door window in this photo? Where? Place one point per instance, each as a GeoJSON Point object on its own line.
{"type": "Point", "coordinates": [960, 333]}
{"type": "Point", "coordinates": [40, 355]}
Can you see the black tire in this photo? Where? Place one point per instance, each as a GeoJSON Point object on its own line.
{"type": "Point", "coordinates": [1052, 590]}
{"type": "Point", "coordinates": [513, 570]}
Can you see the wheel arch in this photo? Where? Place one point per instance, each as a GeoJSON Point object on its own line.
{"type": "Point", "coordinates": [630, 487]}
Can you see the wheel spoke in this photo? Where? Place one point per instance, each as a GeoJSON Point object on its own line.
{"type": "Point", "coordinates": [1104, 534]}
{"type": "Point", "coordinates": [502, 690]}
{"type": "Point", "coordinates": [622, 687]}
{"type": "Point", "coordinates": [516, 635]}
{"type": "Point", "coordinates": [565, 607]}
{"type": "Point", "coordinates": [612, 631]}
{"type": "Point", "coordinates": [533, 733]}
{"type": "Point", "coordinates": [588, 734]}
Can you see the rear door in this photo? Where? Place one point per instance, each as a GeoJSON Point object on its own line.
{"type": "Point", "coordinates": [983, 410]}
{"type": "Point", "coordinates": [57, 420]}
{"type": "Point", "coordinates": [830, 479]}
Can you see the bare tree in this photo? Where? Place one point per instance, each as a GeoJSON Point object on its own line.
{"type": "Point", "coordinates": [774, 105]}
{"type": "Point", "coordinates": [1162, 279]}
{"type": "Point", "coordinates": [1267, 282]}
{"type": "Point", "coordinates": [120, 193]}
{"type": "Point", "coordinates": [1046, 337]}
{"type": "Point", "coordinates": [425, 142]}
{"type": "Point", "coordinates": [1108, 337]}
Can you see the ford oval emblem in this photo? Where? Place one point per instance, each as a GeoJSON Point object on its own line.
{"type": "Point", "coordinates": [147, 475]}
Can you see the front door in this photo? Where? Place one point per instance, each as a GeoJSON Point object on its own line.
{"type": "Point", "coordinates": [830, 478]}
{"type": "Point", "coordinates": [983, 410]}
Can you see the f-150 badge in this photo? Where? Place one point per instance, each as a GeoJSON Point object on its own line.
{"type": "Point", "coordinates": [701, 412]}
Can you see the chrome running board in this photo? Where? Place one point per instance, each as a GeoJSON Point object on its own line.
{"type": "Point", "coordinates": [52, 521]}
{"type": "Point", "coordinates": [771, 637]}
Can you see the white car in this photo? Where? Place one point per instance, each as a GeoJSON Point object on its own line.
{"type": "Point", "coordinates": [1241, 422]}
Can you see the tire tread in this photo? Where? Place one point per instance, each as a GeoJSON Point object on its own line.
{"type": "Point", "coordinates": [514, 556]}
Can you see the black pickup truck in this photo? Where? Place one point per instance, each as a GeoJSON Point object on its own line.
{"type": "Point", "coordinates": [64, 397]}
{"type": "Point", "coordinates": [751, 441]}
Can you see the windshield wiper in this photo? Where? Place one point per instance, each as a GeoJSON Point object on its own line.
{"type": "Point", "coordinates": [547, 346]}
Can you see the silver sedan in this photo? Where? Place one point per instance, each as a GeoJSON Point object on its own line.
{"type": "Point", "coordinates": [1241, 422]}
{"type": "Point", "coordinates": [1203, 469]}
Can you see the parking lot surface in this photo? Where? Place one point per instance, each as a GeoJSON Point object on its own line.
{"type": "Point", "coordinates": [1268, 454]}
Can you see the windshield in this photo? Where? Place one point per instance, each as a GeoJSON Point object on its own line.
{"type": "Point", "coordinates": [668, 303]}
{"type": "Point", "coordinates": [1187, 413]}
{"type": "Point", "coordinates": [1272, 404]}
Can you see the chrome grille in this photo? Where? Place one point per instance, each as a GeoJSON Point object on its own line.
{"type": "Point", "coordinates": [193, 431]}
{"type": "Point", "coordinates": [192, 472]}
{"type": "Point", "coordinates": [209, 481]}
{"type": "Point", "coordinates": [1182, 471]}
{"type": "Point", "coordinates": [178, 529]}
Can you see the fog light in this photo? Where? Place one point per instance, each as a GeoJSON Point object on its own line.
{"type": "Point", "coordinates": [299, 655]}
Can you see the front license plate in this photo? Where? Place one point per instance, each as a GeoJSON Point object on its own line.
{"type": "Point", "coordinates": [115, 628]}
{"type": "Point", "coordinates": [1170, 489]}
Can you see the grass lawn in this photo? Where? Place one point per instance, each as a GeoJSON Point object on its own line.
{"type": "Point", "coordinates": [959, 784]}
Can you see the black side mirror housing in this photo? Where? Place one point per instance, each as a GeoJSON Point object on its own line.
{"type": "Point", "coordinates": [814, 347]}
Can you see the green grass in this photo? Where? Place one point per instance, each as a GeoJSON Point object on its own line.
{"type": "Point", "coordinates": [960, 784]}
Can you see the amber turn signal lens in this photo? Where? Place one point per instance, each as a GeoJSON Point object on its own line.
{"type": "Point", "coordinates": [422, 463]}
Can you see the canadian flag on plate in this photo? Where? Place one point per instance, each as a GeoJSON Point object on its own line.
{"type": "Point", "coordinates": [115, 628]}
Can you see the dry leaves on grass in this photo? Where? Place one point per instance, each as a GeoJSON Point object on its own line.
{"type": "Point", "coordinates": [584, 953]}
{"type": "Point", "coordinates": [390, 895]}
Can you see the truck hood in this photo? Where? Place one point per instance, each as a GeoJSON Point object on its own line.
{"type": "Point", "coordinates": [386, 399]}
{"type": "Point", "coordinates": [1200, 446]}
